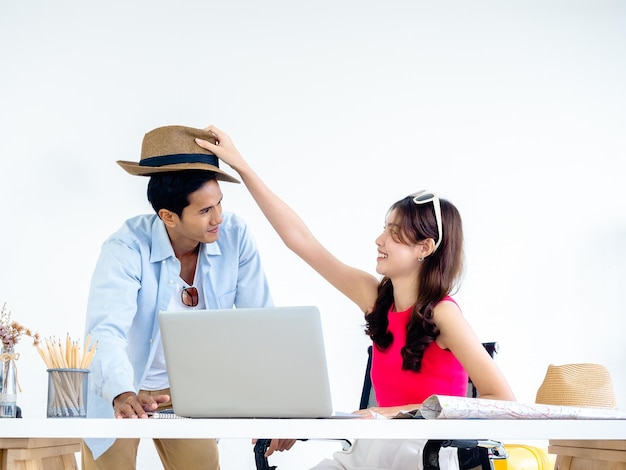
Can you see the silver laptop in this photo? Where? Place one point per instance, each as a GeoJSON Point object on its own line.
{"type": "Point", "coordinates": [246, 363]}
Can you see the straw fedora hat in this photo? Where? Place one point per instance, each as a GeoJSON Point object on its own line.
{"type": "Point", "coordinates": [586, 385]}
{"type": "Point", "coordinates": [173, 148]}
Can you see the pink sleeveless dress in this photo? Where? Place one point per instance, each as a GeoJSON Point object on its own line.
{"type": "Point", "coordinates": [441, 372]}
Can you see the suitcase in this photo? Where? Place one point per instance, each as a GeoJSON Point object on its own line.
{"type": "Point", "coordinates": [524, 457]}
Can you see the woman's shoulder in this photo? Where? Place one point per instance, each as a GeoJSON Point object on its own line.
{"type": "Point", "coordinates": [447, 299]}
{"type": "Point", "coordinates": [446, 311]}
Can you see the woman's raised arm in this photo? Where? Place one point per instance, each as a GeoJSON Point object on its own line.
{"type": "Point", "coordinates": [356, 284]}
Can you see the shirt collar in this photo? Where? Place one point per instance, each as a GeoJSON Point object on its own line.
{"type": "Point", "coordinates": [161, 246]}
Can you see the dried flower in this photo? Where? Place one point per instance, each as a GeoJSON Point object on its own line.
{"type": "Point", "coordinates": [11, 332]}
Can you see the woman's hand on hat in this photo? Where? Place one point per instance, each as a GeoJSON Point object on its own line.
{"type": "Point", "coordinates": [223, 148]}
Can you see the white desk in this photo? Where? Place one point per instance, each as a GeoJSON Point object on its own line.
{"type": "Point", "coordinates": [315, 428]}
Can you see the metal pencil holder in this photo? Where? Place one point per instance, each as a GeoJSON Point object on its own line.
{"type": "Point", "coordinates": [67, 393]}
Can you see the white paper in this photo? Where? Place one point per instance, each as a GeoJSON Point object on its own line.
{"type": "Point", "coordinates": [447, 407]}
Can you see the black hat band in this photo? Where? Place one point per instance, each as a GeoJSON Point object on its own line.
{"type": "Point", "coordinates": [180, 158]}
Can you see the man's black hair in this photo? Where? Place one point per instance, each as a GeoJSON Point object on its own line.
{"type": "Point", "coordinates": [171, 190]}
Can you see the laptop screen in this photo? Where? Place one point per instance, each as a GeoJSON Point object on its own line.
{"type": "Point", "coordinates": [247, 363]}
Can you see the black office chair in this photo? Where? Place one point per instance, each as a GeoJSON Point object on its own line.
{"type": "Point", "coordinates": [472, 453]}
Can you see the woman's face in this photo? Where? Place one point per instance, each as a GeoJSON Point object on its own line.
{"type": "Point", "coordinates": [396, 258]}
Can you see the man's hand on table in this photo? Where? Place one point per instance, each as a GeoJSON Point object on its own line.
{"type": "Point", "coordinates": [131, 405]}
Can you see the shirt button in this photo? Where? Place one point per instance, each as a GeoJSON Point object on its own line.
{"type": "Point", "coordinates": [164, 261]}
{"type": "Point", "coordinates": [171, 281]}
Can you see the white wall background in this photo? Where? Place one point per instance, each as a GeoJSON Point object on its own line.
{"type": "Point", "coordinates": [515, 111]}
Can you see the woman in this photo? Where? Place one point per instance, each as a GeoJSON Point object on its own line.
{"type": "Point", "coordinates": [422, 343]}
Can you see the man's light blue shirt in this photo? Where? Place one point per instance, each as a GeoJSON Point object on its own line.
{"type": "Point", "coordinates": [136, 276]}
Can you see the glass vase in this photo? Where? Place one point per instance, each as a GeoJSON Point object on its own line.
{"type": "Point", "coordinates": [8, 383]}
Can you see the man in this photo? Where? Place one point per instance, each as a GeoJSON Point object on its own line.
{"type": "Point", "coordinates": [189, 255]}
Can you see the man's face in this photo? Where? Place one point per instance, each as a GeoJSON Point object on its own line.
{"type": "Point", "coordinates": [200, 220]}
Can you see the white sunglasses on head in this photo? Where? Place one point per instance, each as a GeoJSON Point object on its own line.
{"type": "Point", "coordinates": [424, 197]}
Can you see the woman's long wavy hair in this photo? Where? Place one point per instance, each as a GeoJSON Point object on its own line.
{"type": "Point", "coordinates": [439, 276]}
